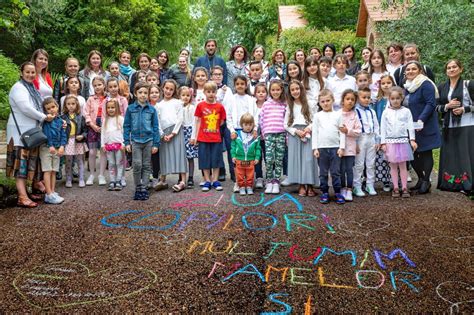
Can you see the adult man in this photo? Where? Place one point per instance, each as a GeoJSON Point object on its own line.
{"type": "Point", "coordinates": [210, 59]}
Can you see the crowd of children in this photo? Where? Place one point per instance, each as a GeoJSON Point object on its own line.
{"type": "Point", "coordinates": [314, 123]}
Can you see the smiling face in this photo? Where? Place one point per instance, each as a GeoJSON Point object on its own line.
{"type": "Point", "coordinates": [349, 52]}
{"type": "Point", "coordinates": [315, 53]}
{"type": "Point", "coordinates": [154, 94]}
{"type": "Point", "coordinates": [168, 90]}
{"type": "Point", "coordinates": [395, 55]}
{"type": "Point", "coordinates": [114, 69]}
{"type": "Point", "coordinates": [299, 56]}
{"type": "Point", "coordinates": [185, 96]}
{"type": "Point", "coordinates": [295, 91]}
{"type": "Point", "coordinates": [261, 93]}
{"type": "Point", "coordinates": [279, 57]}
{"type": "Point", "coordinates": [411, 54]}
{"type": "Point", "coordinates": [217, 76]}
{"type": "Point", "coordinates": [328, 52]}
{"type": "Point", "coordinates": [125, 58]}
{"type": "Point", "coordinates": [275, 91]}
{"type": "Point", "coordinates": [325, 69]}
{"type": "Point", "coordinates": [72, 67]}
{"type": "Point", "coordinates": [240, 86]}
{"type": "Point", "coordinates": [41, 62]}
{"type": "Point", "coordinates": [111, 109]}
{"type": "Point", "coordinates": [200, 77]}
{"type": "Point", "coordinates": [144, 63]}
{"type": "Point", "coordinates": [98, 87]}
{"type": "Point", "coordinates": [453, 70]}
{"type": "Point", "coordinates": [142, 95]}
{"type": "Point", "coordinates": [211, 48]}
{"type": "Point", "coordinates": [29, 73]}
{"type": "Point", "coordinates": [412, 71]}
{"type": "Point", "coordinates": [313, 69]}
{"type": "Point", "coordinates": [366, 54]}
{"type": "Point", "coordinates": [154, 65]}
{"type": "Point", "coordinates": [293, 71]}
{"type": "Point", "coordinates": [95, 61]}
{"type": "Point", "coordinates": [182, 63]}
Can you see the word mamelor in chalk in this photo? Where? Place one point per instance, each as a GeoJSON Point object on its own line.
{"type": "Point", "coordinates": [68, 284]}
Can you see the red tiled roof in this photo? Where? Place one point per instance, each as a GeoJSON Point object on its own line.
{"type": "Point", "coordinates": [373, 9]}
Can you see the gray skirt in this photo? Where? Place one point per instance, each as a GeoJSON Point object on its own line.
{"type": "Point", "coordinates": [302, 167]}
{"type": "Point", "coordinates": [173, 154]}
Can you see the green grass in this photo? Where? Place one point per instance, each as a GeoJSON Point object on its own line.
{"type": "Point", "coordinates": [3, 124]}
{"type": "Point", "coordinates": [436, 160]}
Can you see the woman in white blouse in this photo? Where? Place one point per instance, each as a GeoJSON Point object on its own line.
{"type": "Point", "coordinates": [42, 82]}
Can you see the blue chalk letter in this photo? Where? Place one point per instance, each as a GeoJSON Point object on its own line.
{"type": "Point", "coordinates": [244, 270]}
{"type": "Point", "coordinates": [346, 252]}
{"type": "Point", "coordinates": [378, 257]}
{"type": "Point", "coordinates": [272, 298]}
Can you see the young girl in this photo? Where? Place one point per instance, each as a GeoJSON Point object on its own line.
{"type": "Point", "coordinates": [73, 87]}
{"type": "Point", "coordinates": [382, 169]}
{"type": "Point", "coordinates": [398, 139]}
{"type": "Point", "coordinates": [325, 66]}
{"type": "Point", "coordinates": [93, 69]}
{"type": "Point", "coordinates": [328, 144]}
{"type": "Point", "coordinates": [272, 124]}
{"type": "Point", "coordinates": [362, 79]}
{"type": "Point", "coordinates": [293, 71]}
{"type": "Point", "coordinates": [154, 96]}
{"type": "Point", "coordinates": [351, 128]}
{"type": "Point", "coordinates": [122, 80]}
{"type": "Point", "coordinates": [93, 114]}
{"type": "Point", "coordinates": [341, 81]}
{"type": "Point", "coordinates": [240, 104]}
{"type": "Point", "coordinates": [298, 119]}
{"type": "Point", "coordinates": [200, 78]}
{"type": "Point", "coordinates": [313, 82]}
{"type": "Point", "coordinates": [76, 132]}
{"type": "Point", "coordinates": [315, 52]}
{"type": "Point", "coordinates": [185, 94]}
{"type": "Point", "coordinates": [172, 151]}
{"type": "Point", "coordinates": [377, 67]}
{"type": "Point", "coordinates": [260, 94]}
{"type": "Point", "coordinates": [112, 143]}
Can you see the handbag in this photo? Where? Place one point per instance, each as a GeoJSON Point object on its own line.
{"type": "Point", "coordinates": [31, 138]}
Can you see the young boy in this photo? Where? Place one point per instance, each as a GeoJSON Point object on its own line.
{"type": "Point", "coordinates": [341, 81]}
{"type": "Point", "coordinates": [328, 146]}
{"type": "Point", "coordinates": [255, 75]}
{"type": "Point", "coordinates": [246, 153]}
{"type": "Point", "coordinates": [51, 153]}
{"type": "Point", "coordinates": [141, 137]}
{"type": "Point", "coordinates": [367, 144]}
{"type": "Point", "coordinates": [210, 115]}
{"type": "Point", "coordinates": [362, 79]}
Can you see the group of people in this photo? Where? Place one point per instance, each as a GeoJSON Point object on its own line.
{"type": "Point", "coordinates": [301, 121]}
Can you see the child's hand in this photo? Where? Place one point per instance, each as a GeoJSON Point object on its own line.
{"type": "Point", "coordinates": [128, 147]}
{"type": "Point", "coordinates": [316, 153]}
{"type": "Point", "coordinates": [414, 145]}
{"type": "Point", "coordinates": [154, 150]}
{"type": "Point", "coordinates": [52, 150]}
{"type": "Point", "coordinates": [256, 162]}
{"type": "Point", "coordinates": [340, 152]}
{"type": "Point", "coordinates": [49, 117]}
{"type": "Point", "coordinates": [166, 138]}
{"type": "Point", "coordinates": [233, 136]}
{"type": "Point", "coordinates": [79, 137]}
{"type": "Point", "coordinates": [307, 130]}
{"type": "Point", "coordinates": [357, 149]}
{"type": "Point", "coordinates": [233, 160]}
{"type": "Point", "coordinates": [300, 133]}
{"type": "Point", "coordinates": [343, 129]}
{"type": "Point", "coordinates": [60, 151]}
{"type": "Point", "coordinates": [383, 147]}
{"type": "Point", "coordinates": [255, 135]}
{"type": "Point", "coordinates": [192, 141]}
{"type": "Point", "coordinates": [64, 124]}
{"type": "Point", "coordinates": [377, 147]}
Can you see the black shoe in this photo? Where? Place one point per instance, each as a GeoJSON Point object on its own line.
{"type": "Point", "coordinates": [190, 183]}
{"type": "Point", "coordinates": [425, 187]}
{"type": "Point", "coordinates": [138, 195]}
{"type": "Point", "coordinates": [59, 175]}
{"type": "Point", "coordinates": [221, 178]}
{"type": "Point", "coordinates": [145, 195]}
{"type": "Point", "coordinates": [417, 186]}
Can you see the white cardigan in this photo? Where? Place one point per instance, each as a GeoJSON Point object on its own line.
{"type": "Point", "coordinates": [396, 126]}
{"type": "Point", "coordinates": [26, 114]}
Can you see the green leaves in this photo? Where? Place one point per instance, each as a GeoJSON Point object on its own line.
{"type": "Point", "coordinates": [9, 74]}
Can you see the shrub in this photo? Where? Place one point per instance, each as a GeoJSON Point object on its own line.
{"type": "Point", "coordinates": [9, 74]}
{"type": "Point", "coordinates": [305, 38]}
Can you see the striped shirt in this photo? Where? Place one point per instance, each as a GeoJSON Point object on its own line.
{"type": "Point", "coordinates": [272, 117]}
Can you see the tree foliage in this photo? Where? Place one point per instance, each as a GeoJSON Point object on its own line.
{"type": "Point", "coordinates": [441, 29]}
{"type": "Point", "coordinates": [11, 11]}
{"type": "Point", "coordinates": [9, 74]}
{"type": "Point", "coordinates": [332, 14]}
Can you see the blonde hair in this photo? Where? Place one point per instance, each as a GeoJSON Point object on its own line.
{"type": "Point", "coordinates": [210, 86]}
{"type": "Point", "coordinates": [247, 118]}
{"type": "Point", "coordinates": [117, 112]}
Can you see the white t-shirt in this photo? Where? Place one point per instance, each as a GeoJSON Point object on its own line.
{"type": "Point", "coordinates": [44, 89]}
{"type": "Point", "coordinates": [337, 85]}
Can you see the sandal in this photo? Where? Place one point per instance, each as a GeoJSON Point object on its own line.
{"type": "Point", "coordinates": [395, 193]}
{"type": "Point", "coordinates": [179, 187]}
{"type": "Point", "coordinates": [405, 193]}
{"type": "Point", "coordinates": [302, 191]}
{"type": "Point", "coordinates": [311, 192]}
{"type": "Point", "coordinates": [36, 197]}
{"type": "Point", "coordinates": [25, 202]}
{"type": "Point", "coordinates": [41, 189]}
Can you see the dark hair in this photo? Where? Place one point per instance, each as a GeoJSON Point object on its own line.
{"type": "Point", "coordinates": [395, 46]}
{"type": "Point", "coordinates": [304, 103]}
{"type": "Point", "coordinates": [310, 60]}
{"type": "Point", "coordinates": [210, 40]}
{"type": "Point", "coordinates": [353, 52]}
{"type": "Point", "coordinates": [66, 89]}
{"type": "Point", "coordinates": [140, 85]}
{"type": "Point", "coordinates": [274, 54]}
{"type": "Point", "coordinates": [362, 72]}
{"type": "Point", "coordinates": [165, 66]}
{"type": "Point", "coordinates": [26, 63]}
{"type": "Point", "coordinates": [300, 75]}
{"type": "Point", "coordinates": [332, 47]}
{"type": "Point", "coordinates": [325, 59]}
{"type": "Point", "coordinates": [456, 61]}
{"type": "Point", "coordinates": [195, 70]}
{"type": "Point", "coordinates": [304, 54]}
{"type": "Point", "coordinates": [255, 62]}
{"type": "Point", "coordinates": [418, 65]}
{"type": "Point", "coordinates": [232, 52]}
{"type": "Point", "coordinates": [240, 77]}
{"type": "Point", "coordinates": [257, 47]}
{"type": "Point", "coordinates": [49, 100]}
{"type": "Point", "coordinates": [341, 57]}
{"type": "Point", "coordinates": [282, 86]}
{"type": "Point", "coordinates": [259, 84]}
{"type": "Point", "coordinates": [383, 76]}
{"type": "Point", "coordinates": [78, 105]}
{"type": "Point", "coordinates": [143, 55]}
{"type": "Point", "coordinates": [347, 92]}
{"type": "Point", "coordinates": [315, 48]}
{"type": "Point", "coordinates": [175, 93]}
{"type": "Point", "coordinates": [88, 66]}
{"type": "Point", "coordinates": [380, 53]}
{"type": "Point", "coordinates": [217, 67]}
{"type": "Point", "coordinates": [364, 89]}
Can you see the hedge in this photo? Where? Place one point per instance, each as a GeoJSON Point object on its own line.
{"type": "Point", "coordinates": [9, 74]}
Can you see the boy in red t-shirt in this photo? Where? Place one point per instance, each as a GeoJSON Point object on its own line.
{"type": "Point", "coordinates": [209, 117]}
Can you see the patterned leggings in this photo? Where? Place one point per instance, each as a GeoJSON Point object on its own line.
{"type": "Point", "coordinates": [274, 154]}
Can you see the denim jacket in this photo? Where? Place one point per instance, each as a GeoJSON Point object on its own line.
{"type": "Point", "coordinates": [55, 133]}
{"type": "Point", "coordinates": [141, 125]}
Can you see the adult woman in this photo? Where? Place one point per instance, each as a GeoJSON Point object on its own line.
{"type": "Point", "coordinates": [258, 54]}
{"type": "Point", "coordinates": [395, 57]}
{"type": "Point", "coordinates": [300, 57]}
{"type": "Point", "coordinates": [329, 50]}
{"type": "Point", "coordinates": [354, 66]}
{"type": "Point", "coordinates": [42, 82]}
{"type": "Point", "coordinates": [411, 53]}
{"type": "Point", "coordinates": [315, 52]}
{"type": "Point", "coordinates": [155, 65]}
{"type": "Point", "coordinates": [278, 68]}
{"type": "Point", "coordinates": [182, 75]}
{"type": "Point", "coordinates": [143, 61]}
{"type": "Point", "coordinates": [183, 53]}
{"type": "Point", "coordinates": [92, 69]}
{"type": "Point", "coordinates": [23, 164]}
{"type": "Point", "coordinates": [457, 151]}
{"type": "Point", "coordinates": [365, 53]}
{"type": "Point", "coordinates": [421, 100]}
{"type": "Point", "coordinates": [163, 61]}
{"type": "Point", "coordinates": [236, 64]}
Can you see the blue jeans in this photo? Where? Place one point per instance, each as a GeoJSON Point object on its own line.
{"type": "Point", "coordinates": [347, 171]}
{"type": "Point", "coordinates": [329, 161]}
{"type": "Point", "coordinates": [259, 166]}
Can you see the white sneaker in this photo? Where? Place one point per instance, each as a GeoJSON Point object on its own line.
{"type": "Point", "coordinates": [102, 180]}
{"type": "Point", "coordinates": [409, 179]}
{"type": "Point", "coordinates": [202, 183]}
{"type": "Point", "coordinates": [343, 192]}
{"type": "Point", "coordinates": [370, 190]}
{"type": "Point", "coordinates": [90, 180]}
{"type": "Point", "coordinates": [268, 188]}
{"type": "Point", "coordinates": [285, 182]}
{"type": "Point", "coordinates": [123, 182]}
{"type": "Point", "coordinates": [249, 191]}
{"type": "Point", "coordinates": [242, 191]}
{"type": "Point", "coordinates": [61, 199]}
{"type": "Point", "coordinates": [82, 184]}
{"type": "Point", "coordinates": [236, 188]}
{"type": "Point", "coordinates": [52, 199]}
{"type": "Point", "coordinates": [387, 188]}
{"type": "Point", "coordinates": [348, 195]}
{"type": "Point", "coordinates": [68, 184]}
{"type": "Point", "coordinates": [358, 192]}
{"type": "Point", "coordinates": [259, 183]}
{"type": "Point", "coordinates": [275, 188]}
